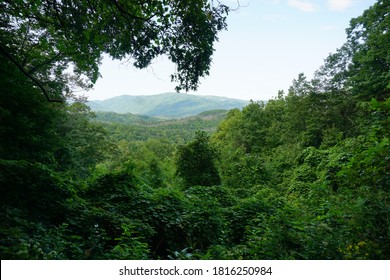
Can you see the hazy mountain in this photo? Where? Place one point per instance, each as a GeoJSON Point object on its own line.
{"type": "Point", "coordinates": [171, 105]}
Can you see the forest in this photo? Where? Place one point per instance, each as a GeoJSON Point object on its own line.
{"type": "Point", "coordinates": [305, 175]}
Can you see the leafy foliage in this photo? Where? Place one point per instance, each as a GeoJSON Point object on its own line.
{"type": "Point", "coordinates": [304, 176]}
{"type": "Point", "coordinates": [44, 38]}
{"type": "Point", "coordinates": [195, 162]}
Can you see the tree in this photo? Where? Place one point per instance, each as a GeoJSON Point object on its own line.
{"type": "Point", "coordinates": [195, 162]}
{"type": "Point", "coordinates": [28, 123]}
{"type": "Point", "coordinates": [362, 65]}
{"type": "Point", "coordinates": [369, 38]}
{"type": "Point", "coordinates": [45, 39]}
{"type": "Point", "coordinates": [82, 143]}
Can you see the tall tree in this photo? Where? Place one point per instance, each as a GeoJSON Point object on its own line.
{"type": "Point", "coordinates": [362, 65]}
{"type": "Point", "coordinates": [369, 38]}
{"type": "Point", "coordinates": [195, 162]}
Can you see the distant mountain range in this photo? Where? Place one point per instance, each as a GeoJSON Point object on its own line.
{"type": "Point", "coordinates": [167, 105]}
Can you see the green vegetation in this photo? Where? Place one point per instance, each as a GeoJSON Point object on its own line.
{"type": "Point", "coordinates": [135, 127]}
{"type": "Point", "coordinates": [196, 162]}
{"type": "Point", "coordinates": [304, 176]}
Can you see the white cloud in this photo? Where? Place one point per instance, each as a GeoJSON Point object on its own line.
{"type": "Point", "coordinates": [302, 5]}
{"type": "Point", "coordinates": [339, 5]}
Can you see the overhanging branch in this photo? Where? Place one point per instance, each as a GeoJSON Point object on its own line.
{"type": "Point", "coordinates": [32, 78]}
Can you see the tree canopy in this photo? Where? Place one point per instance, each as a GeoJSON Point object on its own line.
{"type": "Point", "coordinates": [362, 65]}
{"type": "Point", "coordinates": [46, 39]}
{"type": "Point", "coordinates": [195, 162]}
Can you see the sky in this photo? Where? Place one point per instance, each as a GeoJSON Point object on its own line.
{"type": "Point", "coordinates": [267, 44]}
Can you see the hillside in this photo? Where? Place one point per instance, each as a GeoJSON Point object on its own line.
{"type": "Point", "coordinates": [168, 105]}
{"type": "Point", "coordinates": [132, 127]}
{"type": "Point", "coordinates": [128, 118]}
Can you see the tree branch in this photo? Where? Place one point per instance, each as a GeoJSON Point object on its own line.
{"type": "Point", "coordinates": [32, 78]}
{"type": "Point", "coordinates": [126, 13]}
{"type": "Point", "coordinates": [48, 61]}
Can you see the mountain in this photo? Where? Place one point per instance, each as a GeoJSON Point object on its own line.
{"type": "Point", "coordinates": [168, 105]}
{"type": "Point", "coordinates": [212, 116]}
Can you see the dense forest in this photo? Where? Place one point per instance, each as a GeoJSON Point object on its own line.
{"type": "Point", "coordinates": [303, 176]}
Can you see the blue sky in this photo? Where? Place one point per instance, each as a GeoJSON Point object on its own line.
{"type": "Point", "coordinates": [267, 44]}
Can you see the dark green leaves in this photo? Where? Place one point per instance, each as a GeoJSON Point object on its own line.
{"type": "Point", "coordinates": [195, 162]}
{"type": "Point", "coordinates": [44, 38]}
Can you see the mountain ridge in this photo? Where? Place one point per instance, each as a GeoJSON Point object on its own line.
{"type": "Point", "coordinates": [165, 105]}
